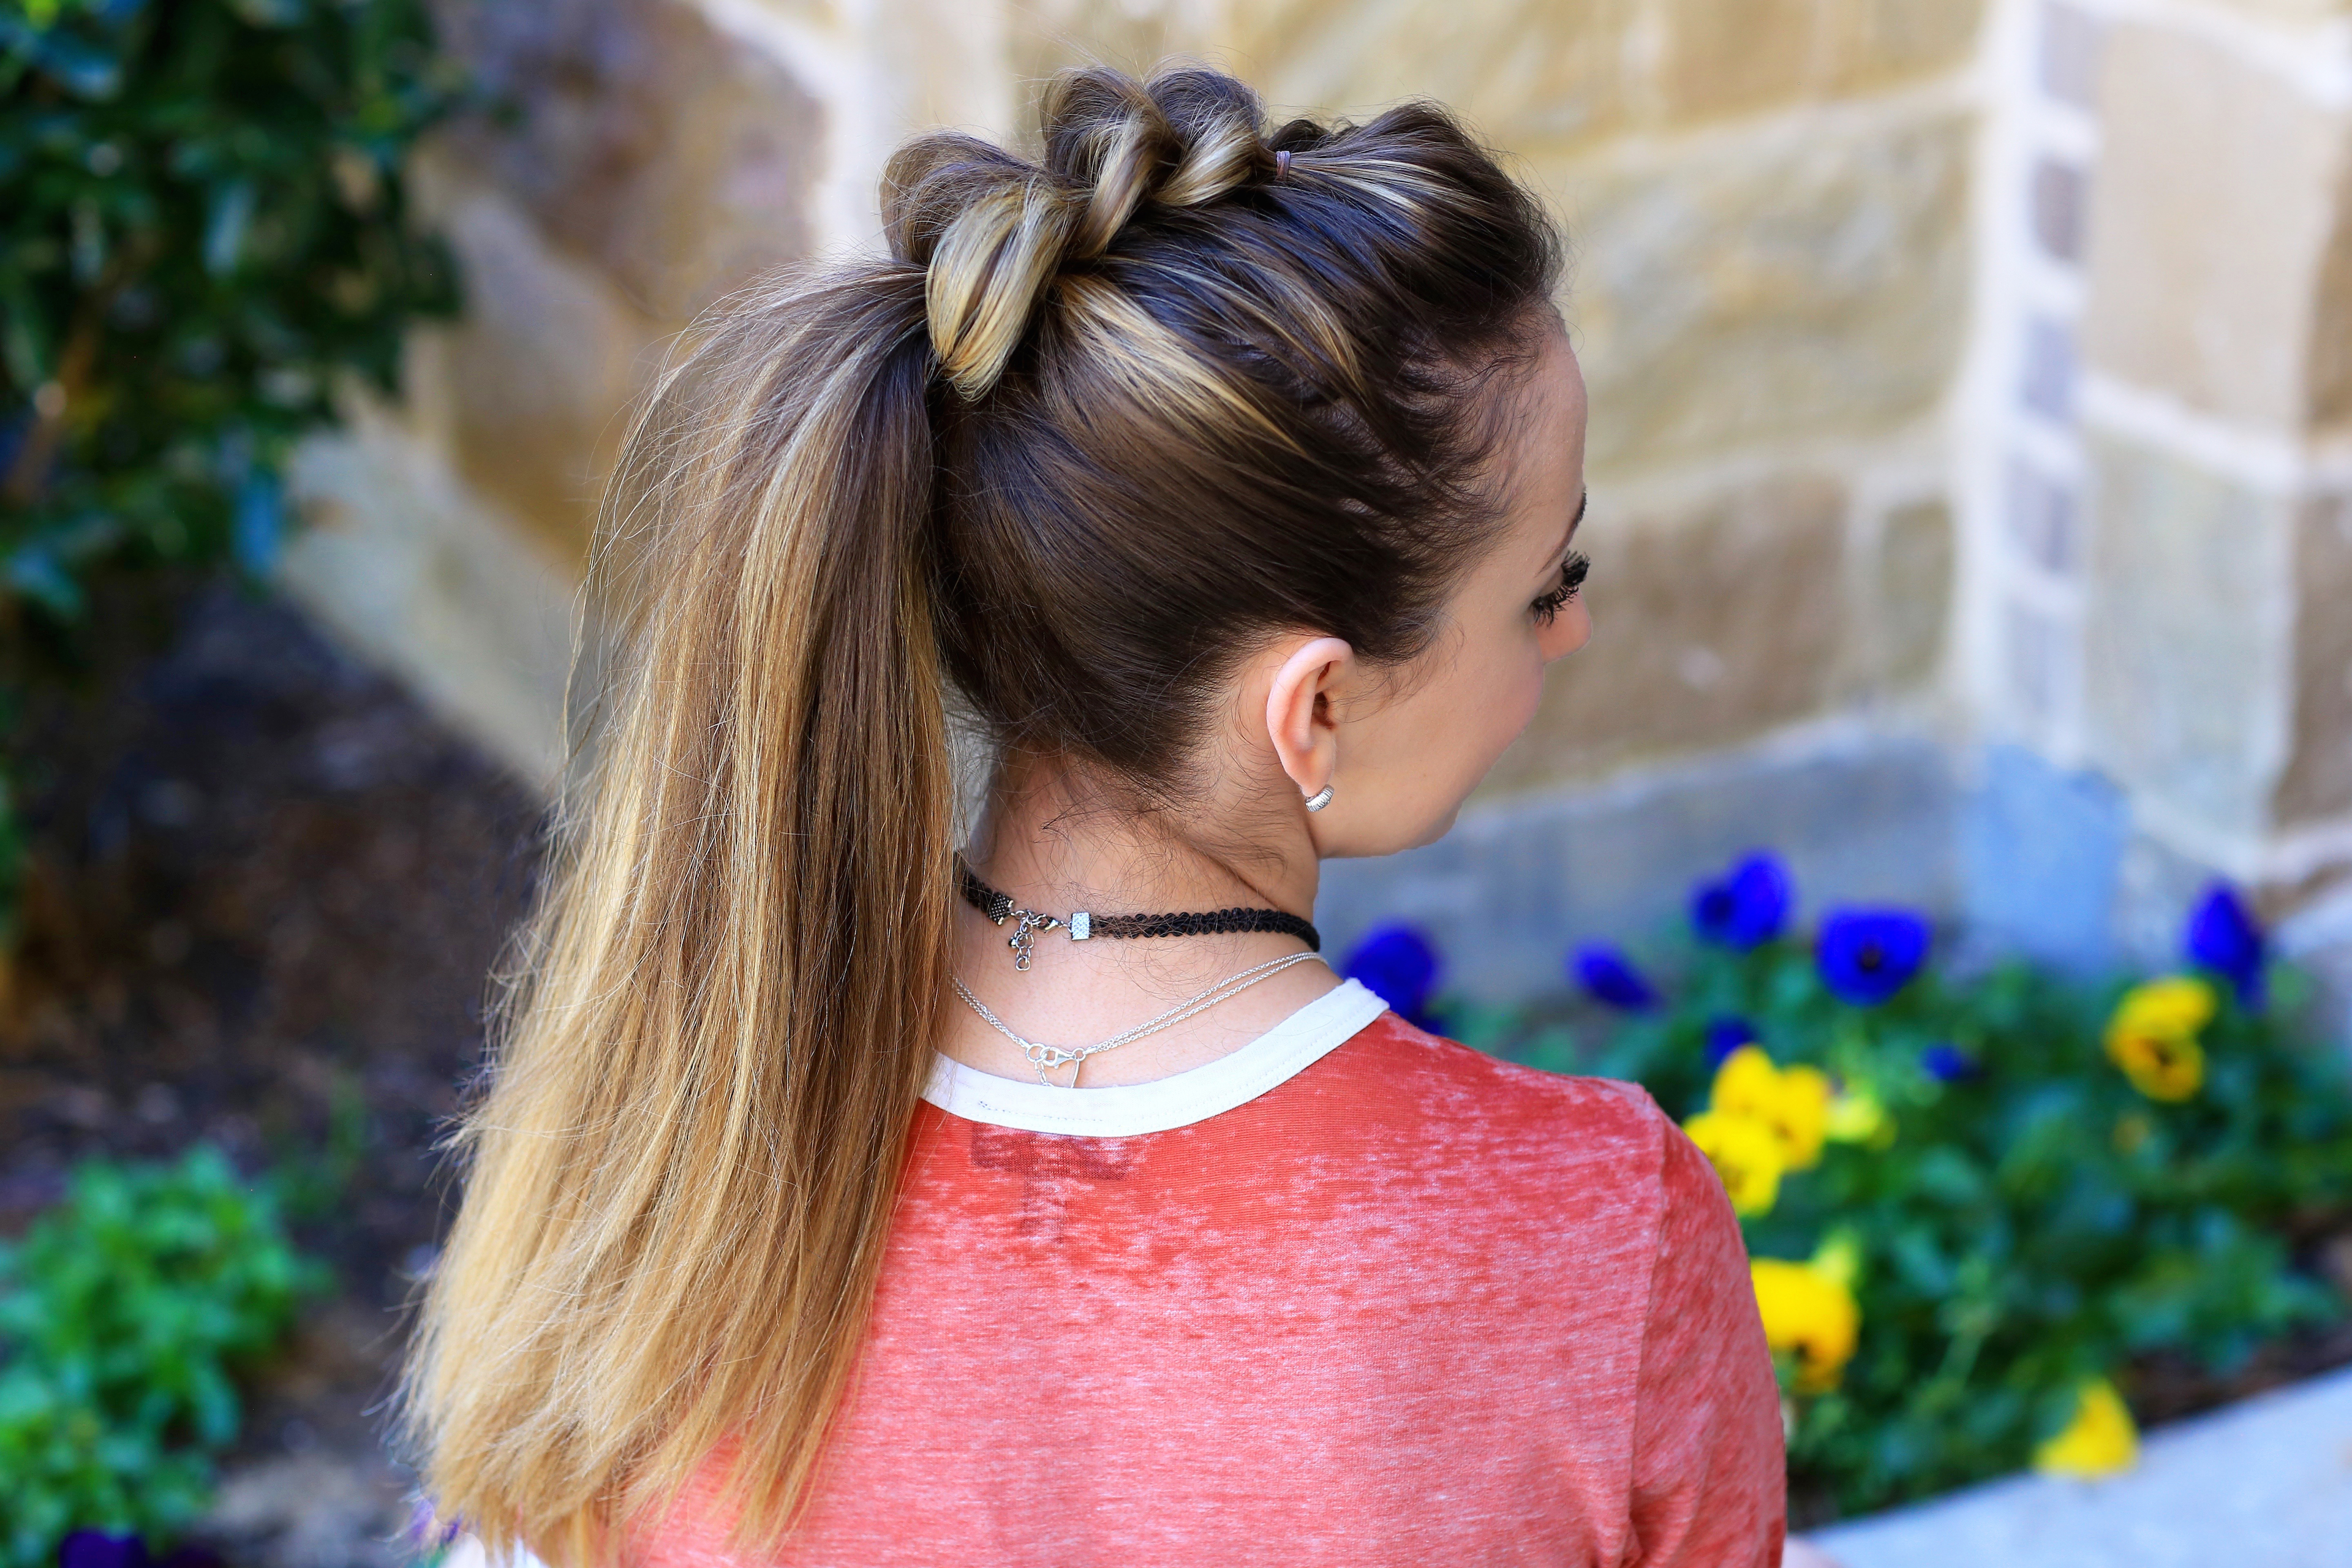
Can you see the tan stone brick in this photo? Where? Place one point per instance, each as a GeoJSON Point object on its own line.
{"type": "Point", "coordinates": [1722, 58]}
{"type": "Point", "coordinates": [1732, 57]}
{"type": "Point", "coordinates": [2318, 782]}
{"type": "Point", "coordinates": [1051, 34]}
{"type": "Point", "coordinates": [676, 159]}
{"type": "Point", "coordinates": [1794, 288]}
{"type": "Point", "coordinates": [2184, 637]}
{"type": "Point", "coordinates": [650, 165]}
{"type": "Point", "coordinates": [2289, 12]}
{"type": "Point", "coordinates": [1909, 595]}
{"type": "Point", "coordinates": [1530, 74]}
{"type": "Point", "coordinates": [1708, 627]}
{"type": "Point", "coordinates": [2208, 219]}
{"type": "Point", "coordinates": [1872, 44]}
{"type": "Point", "coordinates": [2327, 375]}
{"type": "Point", "coordinates": [416, 576]}
{"type": "Point", "coordinates": [1533, 74]}
{"type": "Point", "coordinates": [537, 377]}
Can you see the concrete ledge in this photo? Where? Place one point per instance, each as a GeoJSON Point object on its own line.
{"type": "Point", "coordinates": [2265, 1484]}
{"type": "Point", "coordinates": [1860, 816]}
{"type": "Point", "coordinates": [2029, 859]}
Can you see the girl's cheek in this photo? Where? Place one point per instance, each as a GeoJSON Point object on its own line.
{"type": "Point", "coordinates": [1530, 698]}
{"type": "Point", "coordinates": [1517, 692]}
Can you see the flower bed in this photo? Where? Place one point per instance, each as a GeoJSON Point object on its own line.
{"type": "Point", "coordinates": [1978, 1208]}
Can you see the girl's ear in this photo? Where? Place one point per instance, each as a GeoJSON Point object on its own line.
{"type": "Point", "coordinates": [1298, 716]}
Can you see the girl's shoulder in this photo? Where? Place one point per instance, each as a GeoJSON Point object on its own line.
{"type": "Point", "coordinates": [1515, 1132]}
{"type": "Point", "coordinates": [1448, 1080]}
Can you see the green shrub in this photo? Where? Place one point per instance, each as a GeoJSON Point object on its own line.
{"type": "Point", "coordinates": [2016, 1197]}
{"type": "Point", "coordinates": [124, 1314]}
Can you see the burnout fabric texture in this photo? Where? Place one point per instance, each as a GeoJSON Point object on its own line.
{"type": "Point", "coordinates": [1409, 1306]}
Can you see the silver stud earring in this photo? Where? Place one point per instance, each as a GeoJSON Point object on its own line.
{"type": "Point", "coordinates": [1319, 799]}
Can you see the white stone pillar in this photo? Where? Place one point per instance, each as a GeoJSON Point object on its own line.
{"type": "Point", "coordinates": [2214, 653]}
{"type": "Point", "coordinates": [2147, 444]}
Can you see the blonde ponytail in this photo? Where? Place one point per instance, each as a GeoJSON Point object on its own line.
{"type": "Point", "coordinates": [682, 1176]}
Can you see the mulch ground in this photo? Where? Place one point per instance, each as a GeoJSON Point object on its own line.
{"type": "Point", "coordinates": [261, 885]}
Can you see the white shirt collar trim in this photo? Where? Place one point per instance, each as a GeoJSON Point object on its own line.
{"type": "Point", "coordinates": [1123, 1111]}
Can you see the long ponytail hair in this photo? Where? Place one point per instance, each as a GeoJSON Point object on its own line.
{"type": "Point", "coordinates": [858, 490]}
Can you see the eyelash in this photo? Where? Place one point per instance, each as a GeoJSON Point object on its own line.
{"type": "Point", "coordinates": [1571, 579]}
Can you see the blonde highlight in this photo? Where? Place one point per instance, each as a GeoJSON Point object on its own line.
{"type": "Point", "coordinates": [690, 1137]}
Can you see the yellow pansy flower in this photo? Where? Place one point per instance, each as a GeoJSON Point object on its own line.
{"type": "Point", "coordinates": [2153, 1035]}
{"type": "Point", "coordinates": [1794, 1103]}
{"type": "Point", "coordinates": [1810, 1311]}
{"type": "Point", "coordinates": [1745, 1153]}
{"type": "Point", "coordinates": [2101, 1440]}
{"type": "Point", "coordinates": [1839, 1257]}
{"type": "Point", "coordinates": [2161, 1067]}
{"type": "Point", "coordinates": [1746, 1084]}
{"type": "Point", "coordinates": [2177, 1003]}
{"type": "Point", "coordinates": [1856, 1115]}
{"type": "Point", "coordinates": [1802, 1117]}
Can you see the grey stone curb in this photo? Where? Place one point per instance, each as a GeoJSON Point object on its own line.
{"type": "Point", "coordinates": [2265, 1484]}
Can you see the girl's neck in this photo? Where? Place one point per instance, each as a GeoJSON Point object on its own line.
{"type": "Point", "coordinates": [1054, 846]}
{"type": "Point", "coordinates": [1049, 836]}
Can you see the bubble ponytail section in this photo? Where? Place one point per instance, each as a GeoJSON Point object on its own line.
{"type": "Point", "coordinates": [993, 233]}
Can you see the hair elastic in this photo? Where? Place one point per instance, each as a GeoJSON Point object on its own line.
{"type": "Point", "coordinates": [1281, 164]}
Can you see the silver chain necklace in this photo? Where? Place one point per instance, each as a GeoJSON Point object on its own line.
{"type": "Point", "coordinates": [1050, 1059]}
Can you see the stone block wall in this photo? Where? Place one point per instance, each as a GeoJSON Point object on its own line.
{"type": "Point", "coordinates": [1768, 203]}
{"type": "Point", "coordinates": [1971, 457]}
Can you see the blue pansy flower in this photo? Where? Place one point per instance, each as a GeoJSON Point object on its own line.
{"type": "Point", "coordinates": [1746, 907]}
{"type": "Point", "coordinates": [101, 1549]}
{"type": "Point", "coordinates": [1867, 955]}
{"type": "Point", "coordinates": [1725, 1035]}
{"type": "Point", "coordinates": [1946, 1063]}
{"type": "Point", "coordinates": [1400, 965]}
{"type": "Point", "coordinates": [1608, 975]}
{"type": "Point", "coordinates": [2223, 936]}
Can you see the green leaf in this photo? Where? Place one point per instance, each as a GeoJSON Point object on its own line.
{"type": "Point", "coordinates": [225, 230]}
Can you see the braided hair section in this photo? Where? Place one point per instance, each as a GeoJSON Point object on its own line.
{"type": "Point", "coordinates": [994, 233]}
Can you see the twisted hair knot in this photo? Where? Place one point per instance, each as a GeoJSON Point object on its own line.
{"type": "Point", "coordinates": [992, 232]}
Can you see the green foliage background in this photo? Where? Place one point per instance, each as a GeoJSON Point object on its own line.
{"type": "Point", "coordinates": [123, 1315]}
{"type": "Point", "coordinates": [2028, 1227]}
{"type": "Point", "coordinates": [203, 237]}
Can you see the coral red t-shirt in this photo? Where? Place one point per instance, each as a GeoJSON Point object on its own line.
{"type": "Point", "coordinates": [1351, 1295]}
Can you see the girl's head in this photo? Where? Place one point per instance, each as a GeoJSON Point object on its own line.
{"type": "Point", "coordinates": [1205, 395]}
{"type": "Point", "coordinates": [1208, 464]}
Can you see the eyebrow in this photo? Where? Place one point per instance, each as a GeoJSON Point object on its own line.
{"type": "Point", "coordinates": [1583, 502]}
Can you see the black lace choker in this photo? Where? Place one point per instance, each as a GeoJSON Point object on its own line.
{"type": "Point", "coordinates": [1084, 927]}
